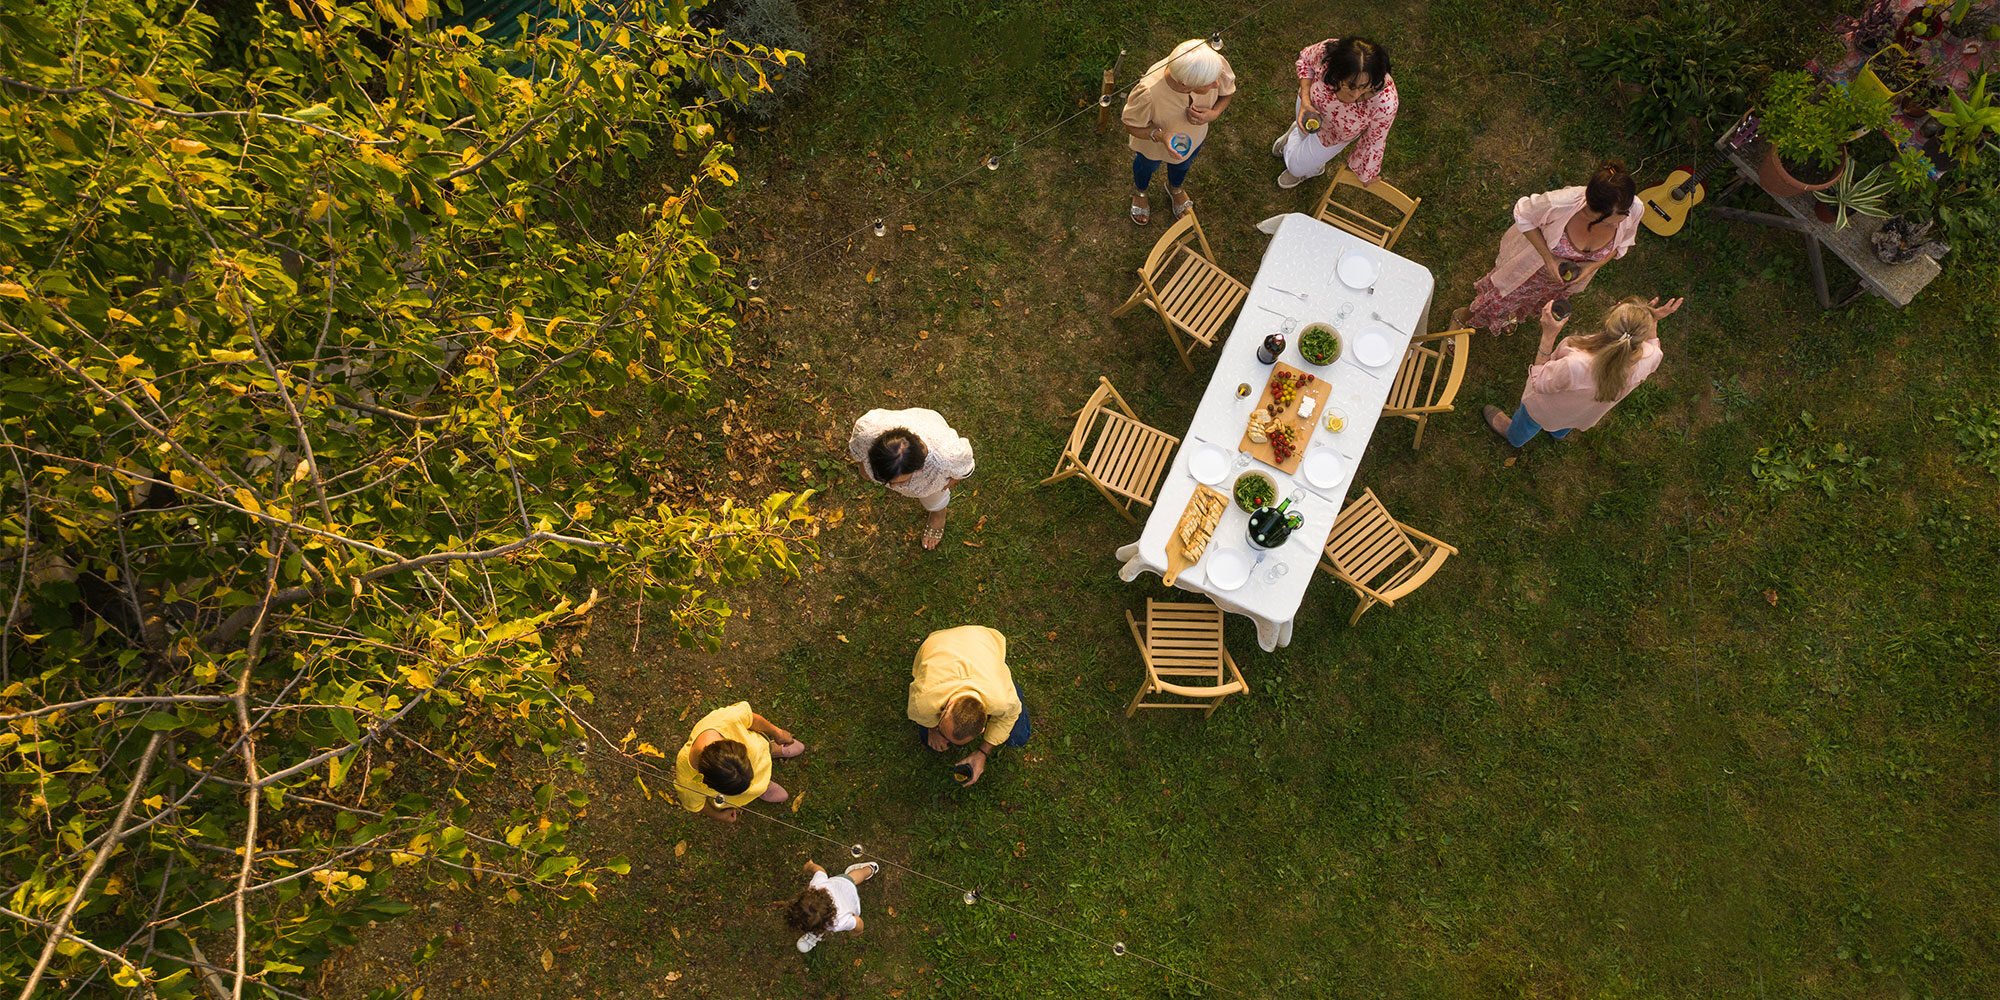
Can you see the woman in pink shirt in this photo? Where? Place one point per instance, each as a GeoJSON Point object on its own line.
{"type": "Point", "coordinates": [1574, 384]}
{"type": "Point", "coordinates": [1559, 240]}
{"type": "Point", "coordinates": [1346, 97]}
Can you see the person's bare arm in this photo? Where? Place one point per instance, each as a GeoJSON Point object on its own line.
{"type": "Point", "coordinates": [777, 733]}
{"type": "Point", "coordinates": [858, 924]}
{"type": "Point", "coordinates": [1541, 246]}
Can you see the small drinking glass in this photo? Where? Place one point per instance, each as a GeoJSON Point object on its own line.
{"type": "Point", "coordinates": [1346, 309]}
{"type": "Point", "coordinates": [1277, 570]}
{"type": "Point", "coordinates": [1287, 325]}
{"type": "Point", "coordinates": [1336, 419]}
{"type": "Point", "coordinates": [1242, 389]}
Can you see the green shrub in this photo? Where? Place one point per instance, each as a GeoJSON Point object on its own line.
{"type": "Point", "coordinates": [1977, 432]}
{"type": "Point", "coordinates": [774, 24]}
{"type": "Point", "coordinates": [1689, 64]}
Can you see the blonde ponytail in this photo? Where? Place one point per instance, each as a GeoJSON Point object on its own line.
{"type": "Point", "coordinates": [1615, 349]}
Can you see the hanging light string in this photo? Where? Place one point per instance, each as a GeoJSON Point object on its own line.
{"type": "Point", "coordinates": [970, 895]}
{"type": "Point", "coordinates": [879, 225]}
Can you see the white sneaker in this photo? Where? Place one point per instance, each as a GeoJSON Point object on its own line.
{"type": "Point", "coordinates": [1287, 182]}
{"type": "Point", "coordinates": [1278, 147]}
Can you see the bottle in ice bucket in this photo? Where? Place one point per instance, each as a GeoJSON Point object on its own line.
{"type": "Point", "coordinates": [1271, 348]}
{"type": "Point", "coordinates": [1270, 526]}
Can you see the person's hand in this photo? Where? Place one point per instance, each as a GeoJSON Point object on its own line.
{"type": "Point", "coordinates": [725, 815]}
{"type": "Point", "coordinates": [782, 737]}
{"type": "Point", "coordinates": [1664, 311]}
{"type": "Point", "coordinates": [1554, 267]}
{"type": "Point", "coordinates": [812, 868]}
{"type": "Point", "coordinates": [978, 761]}
{"type": "Point", "coordinates": [937, 740]}
{"type": "Point", "coordinates": [1200, 116]}
{"type": "Point", "coordinates": [1551, 326]}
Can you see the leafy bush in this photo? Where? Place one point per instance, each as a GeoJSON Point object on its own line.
{"type": "Point", "coordinates": [1688, 64]}
{"type": "Point", "coordinates": [1798, 459]}
{"type": "Point", "coordinates": [304, 458]}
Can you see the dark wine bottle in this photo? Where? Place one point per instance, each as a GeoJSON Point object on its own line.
{"type": "Point", "coordinates": [1269, 526]}
{"type": "Point", "coordinates": [1269, 351]}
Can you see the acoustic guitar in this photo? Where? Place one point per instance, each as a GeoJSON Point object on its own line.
{"type": "Point", "coordinates": [1666, 205]}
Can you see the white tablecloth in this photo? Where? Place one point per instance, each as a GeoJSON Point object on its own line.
{"type": "Point", "coordinates": [1296, 280]}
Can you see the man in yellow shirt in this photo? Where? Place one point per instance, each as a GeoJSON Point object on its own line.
{"type": "Point", "coordinates": [961, 691]}
{"type": "Point", "coordinates": [728, 756]}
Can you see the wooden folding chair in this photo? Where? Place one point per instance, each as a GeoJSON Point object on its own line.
{"type": "Point", "coordinates": [1181, 640]}
{"type": "Point", "coordinates": [1192, 295]}
{"type": "Point", "coordinates": [1354, 219]}
{"type": "Point", "coordinates": [1428, 382]}
{"type": "Point", "coordinates": [1127, 459]}
{"type": "Point", "coordinates": [1383, 559]}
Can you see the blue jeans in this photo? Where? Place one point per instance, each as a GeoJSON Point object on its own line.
{"type": "Point", "coordinates": [1142, 170]}
{"type": "Point", "coordinates": [1523, 428]}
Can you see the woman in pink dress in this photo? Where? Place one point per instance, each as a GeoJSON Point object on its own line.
{"type": "Point", "coordinates": [1572, 385]}
{"type": "Point", "coordinates": [1346, 98]}
{"type": "Point", "coordinates": [1559, 240]}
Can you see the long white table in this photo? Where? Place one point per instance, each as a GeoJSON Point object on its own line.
{"type": "Point", "coordinates": [1296, 281]}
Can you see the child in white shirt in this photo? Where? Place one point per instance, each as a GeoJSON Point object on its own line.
{"type": "Point", "coordinates": [829, 904]}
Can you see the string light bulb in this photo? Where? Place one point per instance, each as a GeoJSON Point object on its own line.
{"type": "Point", "coordinates": [855, 850]}
{"type": "Point", "coordinates": [754, 283]}
{"type": "Point", "coordinates": [1104, 102]}
{"type": "Point", "coordinates": [881, 228]}
{"type": "Point", "coordinates": [1215, 41]}
{"type": "Point", "coordinates": [992, 163]}
{"type": "Point", "coordinates": [971, 896]}
{"type": "Point", "coordinates": [719, 802]}
{"type": "Point", "coordinates": [1118, 947]}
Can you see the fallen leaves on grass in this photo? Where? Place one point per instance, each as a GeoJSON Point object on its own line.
{"type": "Point", "coordinates": [548, 960]}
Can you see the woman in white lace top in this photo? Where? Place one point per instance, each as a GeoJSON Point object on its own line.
{"type": "Point", "coordinates": [915, 453]}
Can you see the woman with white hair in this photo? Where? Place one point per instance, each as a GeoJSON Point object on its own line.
{"type": "Point", "coordinates": [1573, 384]}
{"type": "Point", "coordinates": [1167, 115]}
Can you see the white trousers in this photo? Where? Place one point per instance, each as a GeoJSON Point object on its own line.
{"type": "Point", "coordinates": [1304, 156]}
{"type": "Point", "coordinates": [936, 501]}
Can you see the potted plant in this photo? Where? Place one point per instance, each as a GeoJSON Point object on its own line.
{"type": "Point", "coordinates": [1806, 126]}
{"type": "Point", "coordinates": [1889, 73]}
{"type": "Point", "coordinates": [1866, 195]}
{"type": "Point", "coordinates": [1908, 233]}
{"type": "Point", "coordinates": [1968, 123]}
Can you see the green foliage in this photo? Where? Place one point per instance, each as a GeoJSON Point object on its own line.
{"type": "Point", "coordinates": [1690, 63]}
{"type": "Point", "coordinates": [1860, 195]}
{"type": "Point", "coordinates": [775, 24]}
{"type": "Point", "coordinates": [306, 458]}
{"type": "Point", "coordinates": [1968, 123]}
{"type": "Point", "coordinates": [1977, 431]}
{"type": "Point", "coordinates": [1799, 458]}
{"type": "Point", "coordinates": [1811, 123]}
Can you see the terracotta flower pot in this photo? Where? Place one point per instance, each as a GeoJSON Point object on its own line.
{"type": "Point", "coordinates": [1771, 173]}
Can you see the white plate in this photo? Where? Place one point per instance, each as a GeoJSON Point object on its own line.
{"type": "Point", "coordinates": [1322, 468]}
{"type": "Point", "coordinates": [1227, 569]}
{"type": "Point", "coordinates": [1372, 346]}
{"type": "Point", "coordinates": [1209, 463]}
{"type": "Point", "coordinates": [1357, 270]}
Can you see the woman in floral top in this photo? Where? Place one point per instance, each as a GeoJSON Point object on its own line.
{"type": "Point", "coordinates": [1346, 98]}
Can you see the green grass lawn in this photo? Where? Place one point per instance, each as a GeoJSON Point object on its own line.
{"type": "Point", "coordinates": [1662, 729]}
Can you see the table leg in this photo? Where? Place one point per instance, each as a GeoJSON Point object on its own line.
{"type": "Point", "coordinates": [1818, 263]}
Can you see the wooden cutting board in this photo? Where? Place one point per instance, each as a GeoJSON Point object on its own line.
{"type": "Point", "coordinates": [1319, 389]}
{"type": "Point", "coordinates": [1177, 554]}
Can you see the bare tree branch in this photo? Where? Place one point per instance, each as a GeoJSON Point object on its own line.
{"type": "Point", "coordinates": [151, 699]}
